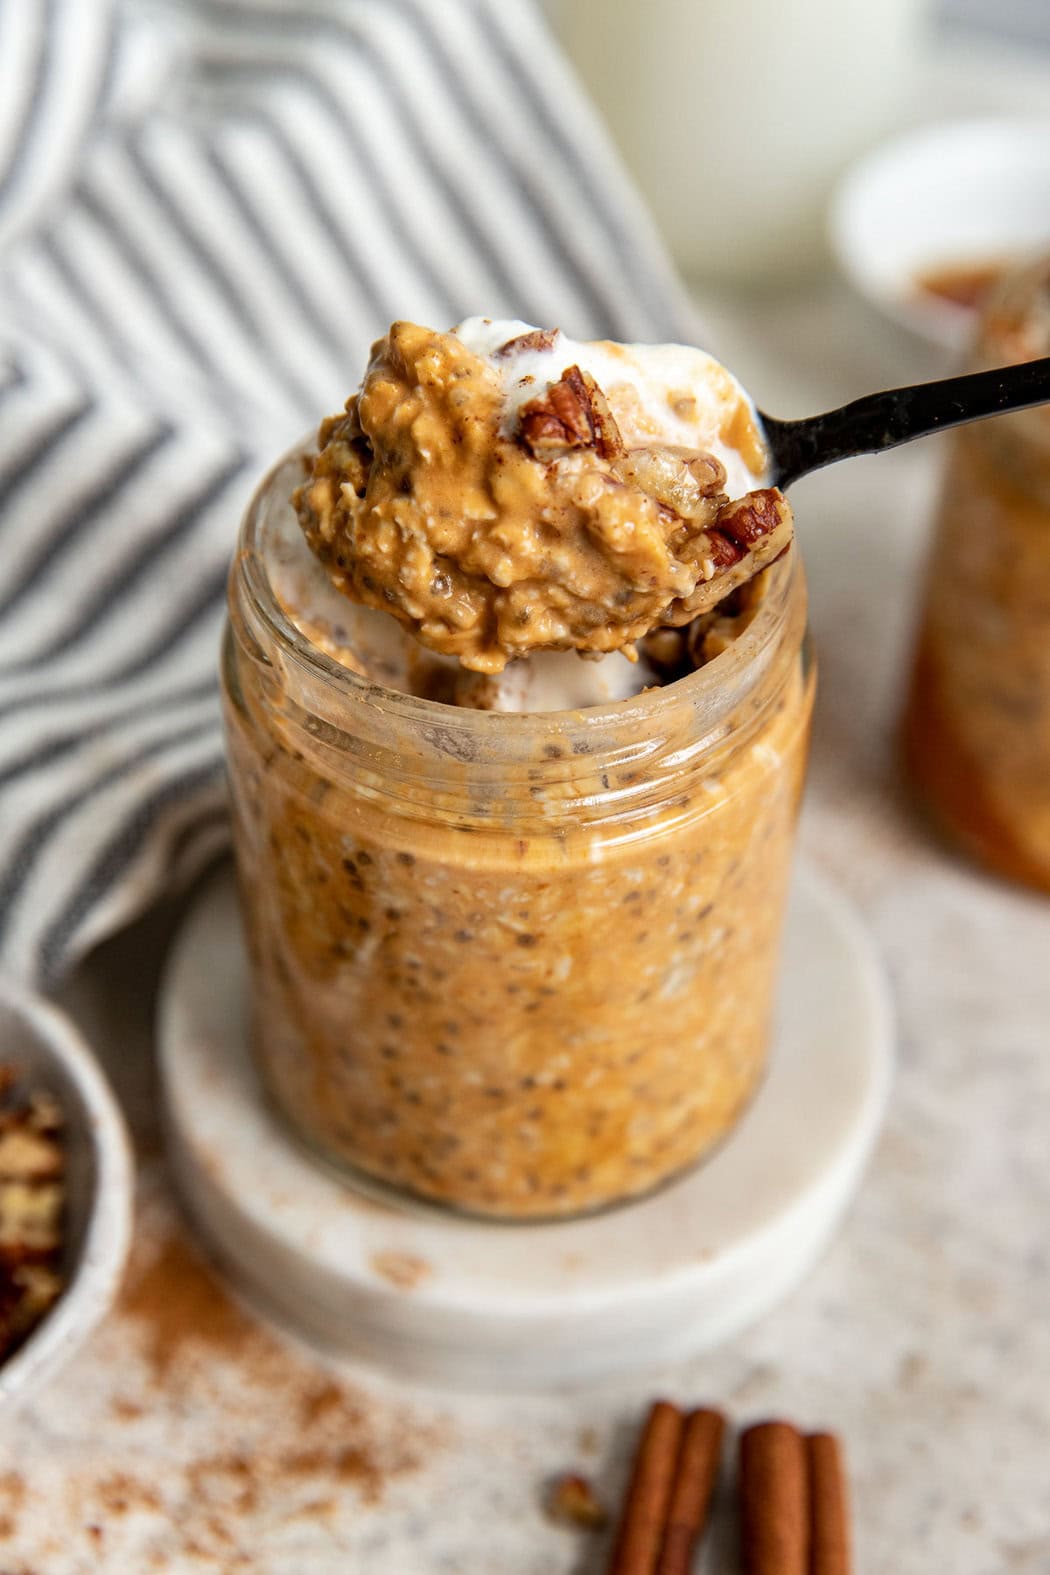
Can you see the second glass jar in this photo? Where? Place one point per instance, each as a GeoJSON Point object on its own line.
{"type": "Point", "coordinates": [977, 726]}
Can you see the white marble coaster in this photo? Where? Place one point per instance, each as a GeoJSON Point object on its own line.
{"type": "Point", "coordinates": [465, 1302]}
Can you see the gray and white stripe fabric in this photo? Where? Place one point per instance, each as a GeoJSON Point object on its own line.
{"type": "Point", "coordinates": [207, 213]}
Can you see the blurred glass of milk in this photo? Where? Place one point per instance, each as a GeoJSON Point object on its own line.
{"type": "Point", "coordinates": [735, 116]}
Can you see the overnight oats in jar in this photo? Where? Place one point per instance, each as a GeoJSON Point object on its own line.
{"type": "Point", "coordinates": [977, 725]}
{"type": "Point", "coordinates": [514, 914]}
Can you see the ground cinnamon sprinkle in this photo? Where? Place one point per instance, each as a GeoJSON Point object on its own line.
{"type": "Point", "coordinates": [325, 1398]}
{"type": "Point", "coordinates": [121, 1492]}
{"type": "Point", "coordinates": [179, 1304]}
{"type": "Point", "coordinates": [230, 1437]}
{"type": "Point", "coordinates": [12, 1497]}
{"type": "Point", "coordinates": [403, 1269]}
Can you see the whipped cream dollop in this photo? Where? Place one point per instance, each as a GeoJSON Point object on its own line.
{"type": "Point", "coordinates": [667, 394]}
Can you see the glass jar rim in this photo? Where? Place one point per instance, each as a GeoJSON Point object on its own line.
{"type": "Point", "coordinates": [701, 689]}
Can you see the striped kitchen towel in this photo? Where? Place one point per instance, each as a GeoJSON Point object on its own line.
{"type": "Point", "coordinates": [207, 213]}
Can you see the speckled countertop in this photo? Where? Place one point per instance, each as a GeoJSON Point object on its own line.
{"type": "Point", "coordinates": [922, 1337]}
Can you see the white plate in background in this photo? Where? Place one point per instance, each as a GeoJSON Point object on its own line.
{"type": "Point", "coordinates": [954, 193]}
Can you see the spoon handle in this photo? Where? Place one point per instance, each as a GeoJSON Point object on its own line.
{"type": "Point", "coordinates": [898, 415]}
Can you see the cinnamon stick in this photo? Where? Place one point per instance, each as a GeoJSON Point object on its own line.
{"type": "Point", "coordinates": [774, 1500]}
{"type": "Point", "coordinates": [648, 1497]}
{"type": "Point", "coordinates": [697, 1470]}
{"type": "Point", "coordinates": [829, 1507]}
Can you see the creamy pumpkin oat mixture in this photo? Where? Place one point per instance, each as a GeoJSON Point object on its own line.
{"type": "Point", "coordinates": [517, 721]}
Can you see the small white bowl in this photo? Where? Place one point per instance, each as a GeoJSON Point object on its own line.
{"type": "Point", "coordinates": [49, 1052]}
{"type": "Point", "coordinates": [951, 194]}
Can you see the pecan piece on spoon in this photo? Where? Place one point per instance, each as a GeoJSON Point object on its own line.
{"type": "Point", "coordinates": [573, 413]}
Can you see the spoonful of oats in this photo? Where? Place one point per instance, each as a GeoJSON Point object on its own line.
{"type": "Point", "coordinates": [502, 490]}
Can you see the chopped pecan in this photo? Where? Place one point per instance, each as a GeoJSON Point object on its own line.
{"type": "Point", "coordinates": [572, 1500]}
{"type": "Point", "coordinates": [754, 516]}
{"type": "Point", "coordinates": [538, 339]}
{"type": "Point", "coordinates": [708, 472]}
{"type": "Point", "coordinates": [689, 486]}
{"type": "Point", "coordinates": [561, 419]}
{"type": "Point", "coordinates": [608, 442]}
{"type": "Point", "coordinates": [545, 437]}
{"type": "Point", "coordinates": [573, 413]}
{"type": "Point", "coordinates": [32, 1207]}
{"type": "Point", "coordinates": [723, 551]}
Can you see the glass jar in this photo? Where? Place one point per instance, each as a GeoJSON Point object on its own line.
{"type": "Point", "coordinates": [520, 965]}
{"type": "Point", "coordinates": [977, 725]}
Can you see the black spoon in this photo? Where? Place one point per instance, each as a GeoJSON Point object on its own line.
{"type": "Point", "coordinates": [898, 415]}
